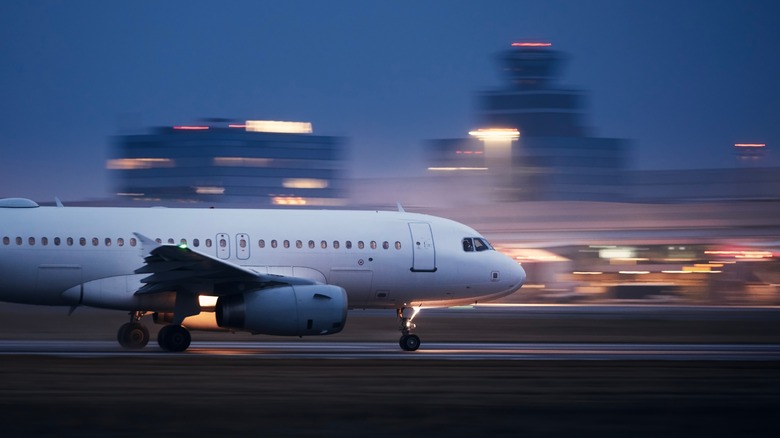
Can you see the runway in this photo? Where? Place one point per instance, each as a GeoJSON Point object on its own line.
{"type": "Point", "coordinates": [390, 351]}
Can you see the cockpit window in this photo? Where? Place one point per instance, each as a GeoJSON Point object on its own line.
{"type": "Point", "coordinates": [476, 244]}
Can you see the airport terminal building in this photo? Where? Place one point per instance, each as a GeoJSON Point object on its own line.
{"type": "Point", "coordinates": [254, 163]}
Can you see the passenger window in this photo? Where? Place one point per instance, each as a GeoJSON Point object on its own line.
{"type": "Point", "coordinates": [242, 243]}
{"type": "Point", "coordinates": [373, 244]}
{"type": "Point", "coordinates": [323, 244]}
{"type": "Point", "coordinates": [385, 245]}
{"type": "Point", "coordinates": [133, 242]}
{"type": "Point", "coordinates": [311, 244]}
{"type": "Point", "coordinates": [348, 244]}
{"type": "Point", "coordinates": [57, 241]}
{"type": "Point", "coordinates": [184, 242]}
{"type": "Point", "coordinates": [335, 244]}
{"type": "Point", "coordinates": [120, 241]}
{"type": "Point", "coordinates": [397, 245]}
{"type": "Point", "coordinates": [31, 241]}
{"type": "Point", "coordinates": [95, 241]}
{"type": "Point", "coordinates": [286, 243]}
{"type": "Point", "coordinates": [158, 240]}
{"type": "Point", "coordinates": [196, 242]}
{"type": "Point", "coordinates": [360, 244]}
{"type": "Point", "coordinates": [261, 243]}
{"type": "Point", "coordinates": [82, 241]}
{"type": "Point", "coordinates": [468, 245]}
{"type": "Point", "coordinates": [18, 240]}
{"type": "Point", "coordinates": [108, 241]}
{"type": "Point", "coordinates": [208, 243]}
{"type": "Point", "coordinates": [70, 241]}
{"type": "Point", "coordinates": [222, 243]}
{"type": "Point", "coordinates": [170, 240]}
{"type": "Point", "coordinates": [273, 244]}
{"type": "Point", "coordinates": [6, 240]}
{"type": "Point", "coordinates": [44, 241]}
{"type": "Point", "coordinates": [298, 244]}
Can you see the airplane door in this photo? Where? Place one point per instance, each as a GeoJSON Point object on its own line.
{"type": "Point", "coordinates": [424, 252]}
{"type": "Point", "coordinates": [223, 246]}
{"type": "Point", "coordinates": [242, 246]}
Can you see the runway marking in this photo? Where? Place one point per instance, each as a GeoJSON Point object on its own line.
{"type": "Point", "coordinates": [389, 350]}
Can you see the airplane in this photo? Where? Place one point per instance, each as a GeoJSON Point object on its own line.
{"type": "Point", "coordinates": [275, 272]}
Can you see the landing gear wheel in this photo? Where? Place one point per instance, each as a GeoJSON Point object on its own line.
{"type": "Point", "coordinates": [409, 342]}
{"type": "Point", "coordinates": [133, 336]}
{"type": "Point", "coordinates": [174, 338]}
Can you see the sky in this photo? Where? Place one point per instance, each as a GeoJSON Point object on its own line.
{"type": "Point", "coordinates": [684, 80]}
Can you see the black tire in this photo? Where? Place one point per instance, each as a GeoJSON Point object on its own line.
{"type": "Point", "coordinates": [410, 342]}
{"type": "Point", "coordinates": [133, 335]}
{"type": "Point", "coordinates": [174, 338]}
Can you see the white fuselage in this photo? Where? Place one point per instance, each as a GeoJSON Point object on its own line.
{"type": "Point", "coordinates": [87, 256]}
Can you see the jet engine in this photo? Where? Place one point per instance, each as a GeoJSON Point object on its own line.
{"type": "Point", "coordinates": [303, 310]}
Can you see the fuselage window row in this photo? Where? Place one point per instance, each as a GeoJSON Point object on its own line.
{"type": "Point", "coordinates": [44, 241]}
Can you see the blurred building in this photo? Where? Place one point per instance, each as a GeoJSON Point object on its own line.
{"type": "Point", "coordinates": [552, 156]}
{"type": "Point", "coordinates": [253, 163]}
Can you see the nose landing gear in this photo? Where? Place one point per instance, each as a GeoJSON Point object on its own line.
{"type": "Point", "coordinates": [408, 341]}
{"type": "Point", "coordinates": [133, 335]}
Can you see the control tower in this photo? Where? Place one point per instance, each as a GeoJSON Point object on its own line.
{"type": "Point", "coordinates": [530, 100]}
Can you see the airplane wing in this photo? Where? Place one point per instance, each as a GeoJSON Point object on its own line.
{"type": "Point", "coordinates": [178, 267]}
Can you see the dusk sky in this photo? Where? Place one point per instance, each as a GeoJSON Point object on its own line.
{"type": "Point", "coordinates": [684, 80]}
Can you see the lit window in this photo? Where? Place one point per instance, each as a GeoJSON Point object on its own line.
{"type": "Point", "coordinates": [195, 243]}
{"type": "Point", "coordinates": [323, 244]}
{"type": "Point", "coordinates": [273, 244]}
{"type": "Point", "coordinates": [261, 243]}
{"type": "Point", "coordinates": [70, 241]}
{"type": "Point", "coordinates": [95, 241]}
{"type": "Point", "coordinates": [133, 242]}
{"type": "Point", "coordinates": [373, 244]}
{"type": "Point", "coordinates": [57, 241]}
{"type": "Point", "coordinates": [31, 241]}
{"type": "Point", "coordinates": [397, 245]}
{"type": "Point", "coordinates": [311, 244]}
{"type": "Point", "coordinates": [386, 245]}
{"type": "Point", "coordinates": [348, 244]}
{"type": "Point", "coordinates": [208, 243]}
{"type": "Point", "coordinates": [360, 244]}
{"type": "Point", "coordinates": [286, 243]}
{"type": "Point", "coordinates": [82, 241]}
{"type": "Point", "coordinates": [298, 244]}
{"type": "Point", "coordinates": [108, 241]}
{"type": "Point", "coordinates": [44, 241]}
{"type": "Point", "coordinates": [335, 244]}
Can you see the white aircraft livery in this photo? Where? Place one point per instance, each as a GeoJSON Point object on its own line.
{"type": "Point", "coordinates": [276, 272]}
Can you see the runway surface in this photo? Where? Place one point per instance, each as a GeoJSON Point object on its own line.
{"type": "Point", "coordinates": [390, 351]}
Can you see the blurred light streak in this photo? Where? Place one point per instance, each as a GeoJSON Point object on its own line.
{"type": "Point", "coordinates": [587, 273]}
{"type": "Point", "coordinates": [450, 169]}
{"type": "Point", "coordinates": [304, 183]}
{"type": "Point", "coordinates": [531, 44]}
{"type": "Point", "coordinates": [634, 272]}
{"type": "Point", "coordinates": [288, 200]}
{"type": "Point", "coordinates": [209, 190]}
{"type": "Point", "coordinates": [191, 128]}
{"type": "Point", "coordinates": [279, 126]}
{"type": "Point", "coordinates": [496, 134]}
{"type": "Point", "coordinates": [749, 145]}
{"type": "Point", "coordinates": [138, 163]}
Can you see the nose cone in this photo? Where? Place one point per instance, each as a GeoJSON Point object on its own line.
{"type": "Point", "coordinates": [515, 274]}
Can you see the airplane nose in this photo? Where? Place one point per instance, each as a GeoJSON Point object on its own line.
{"type": "Point", "coordinates": [517, 274]}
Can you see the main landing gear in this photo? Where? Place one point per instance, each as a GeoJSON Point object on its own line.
{"type": "Point", "coordinates": [133, 335]}
{"type": "Point", "coordinates": [408, 341]}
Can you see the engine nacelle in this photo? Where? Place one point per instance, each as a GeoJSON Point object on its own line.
{"type": "Point", "coordinates": [319, 309]}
